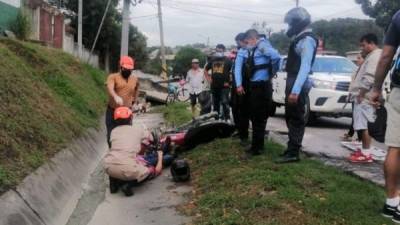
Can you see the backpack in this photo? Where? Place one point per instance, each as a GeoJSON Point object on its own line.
{"type": "Point", "coordinates": [395, 76]}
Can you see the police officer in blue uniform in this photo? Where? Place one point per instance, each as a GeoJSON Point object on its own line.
{"type": "Point", "coordinates": [258, 62]}
{"type": "Point", "coordinates": [301, 57]}
{"type": "Point", "coordinates": [240, 107]}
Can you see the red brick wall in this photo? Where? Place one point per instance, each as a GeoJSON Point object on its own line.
{"type": "Point", "coordinates": [45, 27]}
{"type": "Point", "coordinates": [58, 31]}
{"type": "Point", "coordinates": [47, 35]}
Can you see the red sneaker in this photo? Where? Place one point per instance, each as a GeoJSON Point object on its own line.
{"type": "Point", "coordinates": [359, 157]}
{"type": "Point", "coordinates": [357, 153]}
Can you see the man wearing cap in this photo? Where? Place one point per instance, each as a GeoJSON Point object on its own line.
{"type": "Point", "coordinates": [123, 90]}
{"type": "Point", "coordinates": [220, 67]}
{"type": "Point", "coordinates": [195, 79]}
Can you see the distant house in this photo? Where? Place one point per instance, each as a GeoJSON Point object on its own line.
{"type": "Point", "coordinates": [8, 12]}
{"type": "Point", "coordinates": [47, 23]}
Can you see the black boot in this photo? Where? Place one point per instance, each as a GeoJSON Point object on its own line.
{"type": "Point", "coordinates": [126, 188]}
{"type": "Point", "coordinates": [114, 185]}
{"type": "Point", "coordinates": [288, 158]}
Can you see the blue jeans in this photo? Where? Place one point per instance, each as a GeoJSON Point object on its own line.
{"type": "Point", "coordinates": [152, 159]}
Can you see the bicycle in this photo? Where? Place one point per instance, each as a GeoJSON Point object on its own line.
{"type": "Point", "coordinates": [177, 92]}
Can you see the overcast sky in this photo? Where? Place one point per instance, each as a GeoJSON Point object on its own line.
{"type": "Point", "coordinates": [192, 21]}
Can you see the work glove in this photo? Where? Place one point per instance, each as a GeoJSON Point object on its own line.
{"type": "Point", "coordinates": [118, 100]}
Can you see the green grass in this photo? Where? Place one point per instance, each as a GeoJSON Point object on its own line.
{"type": "Point", "coordinates": [231, 191]}
{"type": "Point", "coordinates": [47, 99]}
{"type": "Point", "coordinates": [175, 114]}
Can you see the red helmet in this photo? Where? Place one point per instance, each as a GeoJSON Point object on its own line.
{"type": "Point", "coordinates": [127, 62]}
{"type": "Point", "coordinates": [122, 113]}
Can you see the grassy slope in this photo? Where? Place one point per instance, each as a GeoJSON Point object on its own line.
{"type": "Point", "coordinates": [230, 191]}
{"type": "Point", "coordinates": [175, 114]}
{"type": "Point", "coordinates": [46, 99]}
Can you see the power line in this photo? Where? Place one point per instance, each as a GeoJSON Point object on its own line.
{"type": "Point", "coordinates": [203, 13]}
{"type": "Point", "coordinates": [145, 16]}
{"type": "Point", "coordinates": [226, 8]}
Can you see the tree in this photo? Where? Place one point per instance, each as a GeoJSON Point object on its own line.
{"type": "Point", "coordinates": [343, 35]}
{"type": "Point", "coordinates": [382, 10]}
{"type": "Point", "coordinates": [184, 58]}
{"type": "Point", "coordinates": [280, 41]}
{"type": "Point", "coordinates": [340, 35]}
{"type": "Point", "coordinates": [110, 36]}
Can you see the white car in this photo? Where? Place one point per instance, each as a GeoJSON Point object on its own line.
{"type": "Point", "coordinates": [331, 76]}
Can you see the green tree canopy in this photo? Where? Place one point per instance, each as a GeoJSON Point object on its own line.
{"type": "Point", "coordinates": [340, 35]}
{"type": "Point", "coordinates": [184, 58]}
{"type": "Point", "coordinates": [381, 10]}
{"type": "Point", "coordinates": [110, 36]}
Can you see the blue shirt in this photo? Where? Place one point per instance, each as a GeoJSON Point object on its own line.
{"type": "Point", "coordinates": [264, 54]}
{"type": "Point", "coordinates": [305, 48]}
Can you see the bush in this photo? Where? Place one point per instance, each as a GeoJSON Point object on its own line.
{"type": "Point", "coordinates": [21, 26]}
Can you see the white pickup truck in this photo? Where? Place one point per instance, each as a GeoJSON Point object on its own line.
{"type": "Point", "coordinates": [331, 80]}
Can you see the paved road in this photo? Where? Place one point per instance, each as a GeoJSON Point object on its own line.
{"type": "Point", "coordinates": [321, 138]}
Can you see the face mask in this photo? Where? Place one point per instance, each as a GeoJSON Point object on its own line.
{"type": "Point", "coordinates": [219, 54]}
{"type": "Point", "coordinates": [250, 47]}
{"type": "Point", "coordinates": [126, 73]}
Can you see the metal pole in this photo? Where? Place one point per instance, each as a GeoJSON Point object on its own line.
{"type": "Point", "coordinates": [125, 28]}
{"type": "Point", "coordinates": [80, 9]}
{"type": "Point", "coordinates": [163, 60]}
{"type": "Point", "coordinates": [98, 31]}
{"type": "Point", "coordinates": [297, 3]}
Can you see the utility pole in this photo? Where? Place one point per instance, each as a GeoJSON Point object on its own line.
{"type": "Point", "coordinates": [80, 9]}
{"type": "Point", "coordinates": [125, 28]}
{"type": "Point", "coordinates": [163, 60]}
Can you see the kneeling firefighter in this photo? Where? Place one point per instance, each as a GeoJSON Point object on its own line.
{"type": "Point", "coordinates": [302, 52]}
{"type": "Point", "coordinates": [125, 162]}
{"type": "Point", "coordinates": [258, 65]}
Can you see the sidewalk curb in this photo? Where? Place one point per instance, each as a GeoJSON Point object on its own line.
{"type": "Point", "coordinates": [49, 195]}
{"type": "Point", "coordinates": [371, 174]}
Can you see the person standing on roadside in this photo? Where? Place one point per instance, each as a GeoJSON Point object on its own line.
{"type": "Point", "coordinates": [205, 98]}
{"type": "Point", "coordinates": [240, 107]}
{"type": "Point", "coordinates": [195, 79]}
{"type": "Point", "coordinates": [391, 208]}
{"type": "Point", "coordinates": [220, 67]}
{"type": "Point", "coordinates": [364, 113]}
{"type": "Point", "coordinates": [302, 52]}
{"type": "Point", "coordinates": [258, 64]}
{"type": "Point", "coordinates": [123, 90]}
{"type": "Point", "coordinates": [349, 135]}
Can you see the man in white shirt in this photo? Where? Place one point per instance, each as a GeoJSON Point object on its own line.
{"type": "Point", "coordinates": [360, 90]}
{"type": "Point", "coordinates": [195, 78]}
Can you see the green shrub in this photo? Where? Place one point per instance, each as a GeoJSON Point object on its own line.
{"type": "Point", "coordinates": [21, 26]}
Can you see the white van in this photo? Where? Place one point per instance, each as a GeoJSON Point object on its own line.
{"type": "Point", "coordinates": [331, 80]}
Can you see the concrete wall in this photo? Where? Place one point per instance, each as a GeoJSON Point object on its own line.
{"type": "Point", "coordinates": [8, 12]}
{"type": "Point", "coordinates": [50, 194]}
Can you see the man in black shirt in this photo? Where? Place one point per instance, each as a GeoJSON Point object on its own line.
{"type": "Point", "coordinates": [220, 67]}
{"type": "Point", "coordinates": [392, 163]}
